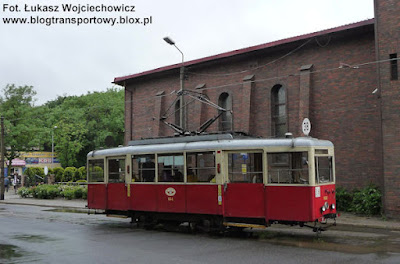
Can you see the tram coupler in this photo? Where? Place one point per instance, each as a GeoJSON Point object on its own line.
{"type": "Point", "coordinates": [320, 228]}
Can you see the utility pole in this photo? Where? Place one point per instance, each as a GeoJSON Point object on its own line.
{"type": "Point", "coordinates": [2, 161]}
{"type": "Point", "coordinates": [182, 114]}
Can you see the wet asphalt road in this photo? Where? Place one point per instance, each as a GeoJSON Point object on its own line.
{"type": "Point", "coordinates": [30, 234]}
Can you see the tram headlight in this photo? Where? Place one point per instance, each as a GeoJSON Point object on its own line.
{"type": "Point", "coordinates": [333, 206]}
{"type": "Point", "coordinates": [325, 207]}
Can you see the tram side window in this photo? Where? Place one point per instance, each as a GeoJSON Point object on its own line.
{"type": "Point", "coordinates": [323, 170]}
{"type": "Point", "coordinates": [116, 170]}
{"type": "Point", "coordinates": [170, 168]}
{"type": "Point", "coordinates": [245, 167]}
{"type": "Point", "coordinates": [200, 167]}
{"type": "Point", "coordinates": [293, 171]}
{"type": "Point", "coordinates": [143, 168]}
{"type": "Point", "coordinates": [96, 171]}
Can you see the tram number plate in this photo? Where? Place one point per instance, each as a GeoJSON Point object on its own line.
{"type": "Point", "coordinates": [317, 192]}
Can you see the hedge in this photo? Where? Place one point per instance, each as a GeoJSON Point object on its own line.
{"type": "Point", "coordinates": [69, 174]}
{"type": "Point", "coordinates": [367, 201]}
{"type": "Point", "coordinates": [46, 191]}
{"type": "Point", "coordinates": [58, 173]}
{"type": "Point", "coordinates": [35, 175]}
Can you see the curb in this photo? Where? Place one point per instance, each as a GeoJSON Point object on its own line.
{"type": "Point", "coordinates": [346, 220]}
{"type": "Point", "coordinates": [41, 204]}
{"type": "Point", "coordinates": [374, 226]}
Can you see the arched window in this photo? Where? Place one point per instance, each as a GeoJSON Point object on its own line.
{"type": "Point", "coordinates": [177, 113]}
{"type": "Point", "coordinates": [225, 120]}
{"type": "Point", "coordinates": [278, 111]}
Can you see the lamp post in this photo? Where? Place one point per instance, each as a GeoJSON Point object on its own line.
{"type": "Point", "coordinates": [182, 119]}
{"type": "Point", "coordinates": [52, 146]}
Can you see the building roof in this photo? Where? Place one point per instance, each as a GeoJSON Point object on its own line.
{"type": "Point", "coordinates": [120, 80]}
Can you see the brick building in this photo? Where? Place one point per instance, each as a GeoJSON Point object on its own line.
{"type": "Point", "coordinates": [345, 80]}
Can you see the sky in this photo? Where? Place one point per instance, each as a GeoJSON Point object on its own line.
{"type": "Point", "coordinates": [63, 52]}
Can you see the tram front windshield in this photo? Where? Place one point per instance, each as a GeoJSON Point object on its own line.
{"type": "Point", "coordinates": [323, 169]}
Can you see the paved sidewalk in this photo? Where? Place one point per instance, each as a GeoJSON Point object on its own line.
{"type": "Point", "coordinates": [345, 219]}
{"type": "Point", "coordinates": [368, 221]}
{"type": "Point", "coordinates": [11, 198]}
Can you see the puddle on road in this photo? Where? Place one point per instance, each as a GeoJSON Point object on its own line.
{"type": "Point", "coordinates": [359, 241]}
{"type": "Point", "coordinates": [68, 210]}
{"type": "Point", "coordinates": [33, 238]}
{"type": "Point", "coordinates": [11, 254]}
{"type": "Point", "coordinates": [8, 252]}
{"type": "Point", "coordinates": [343, 244]}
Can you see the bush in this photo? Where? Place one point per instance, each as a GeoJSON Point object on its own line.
{"type": "Point", "coordinates": [45, 191]}
{"type": "Point", "coordinates": [34, 176]}
{"type": "Point", "coordinates": [68, 191]}
{"type": "Point", "coordinates": [68, 174]}
{"type": "Point", "coordinates": [82, 181]}
{"type": "Point", "coordinates": [367, 201]}
{"type": "Point", "coordinates": [83, 173]}
{"type": "Point", "coordinates": [77, 175]}
{"type": "Point", "coordinates": [84, 193]}
{"type": "Point", "coordinates": [69, 194]}
{"type": "Point", "coordinates": [58, 173]}
{"type": "Point", "coordinates": [52, 191]}
{"type": "Point", "coordinates": [344, 199]}
{"type": "Point", "coordinates": [78, 193]}
{"type": "Point", "coordinates": [24, 192]}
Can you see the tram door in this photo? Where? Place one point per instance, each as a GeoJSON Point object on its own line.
{"type": "Point", "coordinates": [116, 188]}
{"type": "Point", "coordinates": [244, 193]}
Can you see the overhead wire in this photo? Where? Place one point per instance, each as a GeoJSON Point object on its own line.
{"type": "Point", "coordinates": [323, 45]}
{"type": "Point", "coordinates": [346, 67]}
{"type": "Point", "coordinates": [255, 68]}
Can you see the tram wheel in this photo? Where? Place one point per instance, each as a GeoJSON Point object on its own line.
{"type": "Point", "coordinates": [171, 225]}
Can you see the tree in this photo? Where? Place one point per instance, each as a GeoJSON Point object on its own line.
{"type": "Point", "coordinates": [94, 117]}
{"type": "Point", "coordinates": [83, 123]}
{"type": "Point", "coordinates": [104, 117]}
{"type": "Point", "coordinates": [20, 127]}
{"type": "Point", "coordinates": [70, 138]}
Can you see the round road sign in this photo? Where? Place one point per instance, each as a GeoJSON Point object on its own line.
{"type": "Point", "coordinates": [306, 126]}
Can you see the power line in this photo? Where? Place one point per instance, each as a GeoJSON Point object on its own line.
{"type": "Point", "coordinates": [255, 68]}
{"type": "Point", "coordinates": [342, 66]}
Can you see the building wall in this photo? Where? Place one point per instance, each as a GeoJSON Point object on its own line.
{"type": "Point", "coordinates": [388, 42]}
{"type": "Point", "coordinates": [338, 101]}
{"type": "Point", "coordinates": [344, 110]}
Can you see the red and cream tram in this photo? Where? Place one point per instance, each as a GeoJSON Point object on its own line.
{"type": "Point", "coordinates": [216, 181]}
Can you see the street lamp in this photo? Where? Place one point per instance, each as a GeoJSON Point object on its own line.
{"type": "Point", "coordinates": [52, 146]}
{"type": "Point", "coordinates": [182, 119]}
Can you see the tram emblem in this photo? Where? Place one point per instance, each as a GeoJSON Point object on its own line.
{"type": "Point", "coordinates": [170, 191]}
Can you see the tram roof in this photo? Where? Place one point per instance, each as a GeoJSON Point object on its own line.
{"type": "Point", "coordinates": [224, 144]}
